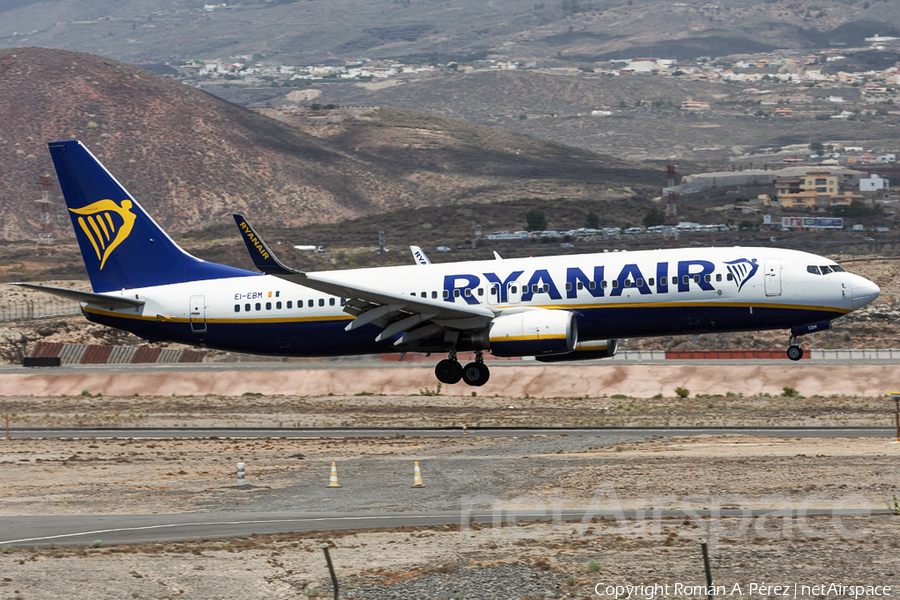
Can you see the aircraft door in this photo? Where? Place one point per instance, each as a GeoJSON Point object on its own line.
{"type": "Point", "coordinates": [198, 314]}
{"type": "Point", "coordinates": [773, 277]}
{"type": "Point", "coordinates": [494, 294]}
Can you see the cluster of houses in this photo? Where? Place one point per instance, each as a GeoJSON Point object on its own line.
{"type": "Point", "coordinates": [824, 188]}
{"type": "Point", "coordinates": [787, 66]}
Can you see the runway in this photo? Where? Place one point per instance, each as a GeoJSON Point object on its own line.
{"type": "Point", "coordinates": [620, 433]}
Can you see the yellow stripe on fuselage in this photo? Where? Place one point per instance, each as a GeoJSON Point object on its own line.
{"type": "Point", "coordinates": [168, 319]}
{"type": "Point", "coordinates": [684, 304]}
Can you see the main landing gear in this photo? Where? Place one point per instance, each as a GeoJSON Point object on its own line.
{"type": "Point", "coordinates": [450, 371]}
{"type": "Point", "coordinates": [794, 352]}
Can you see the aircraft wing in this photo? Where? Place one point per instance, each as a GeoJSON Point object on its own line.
{"type": "Point", "coordinates": [419, 318]}
{"type": "Point", "coordinates": [103, 300]}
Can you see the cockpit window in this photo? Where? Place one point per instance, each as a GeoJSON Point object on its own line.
{"type": "Point", "coordinates": [826, 270]}
{"type": "Point", "coordinates": [838, 269]}
{"type": "Point", "coordinates": [813, 269]}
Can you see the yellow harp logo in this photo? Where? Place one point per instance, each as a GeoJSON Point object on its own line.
{"type": "Point", "coordinates": [104, 232]}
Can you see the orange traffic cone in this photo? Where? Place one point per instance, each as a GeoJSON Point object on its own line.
{"type": "Point", "coordinates": [417, 481]}
{"type": "Point", "coordinates": [333, 482]}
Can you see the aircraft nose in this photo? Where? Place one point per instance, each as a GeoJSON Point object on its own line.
{"type": "Point", "coordinates": [863, 292]}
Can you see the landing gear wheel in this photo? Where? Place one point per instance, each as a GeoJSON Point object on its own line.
{"type": "Point", "coordinates": [448, 371]}
{"type": "Point", "coordinates": [476, 374]}
{"type": "Point", "coordinates": [795, 352]}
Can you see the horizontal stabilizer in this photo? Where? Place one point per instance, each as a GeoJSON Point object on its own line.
{"type": "Point", "coordinates": [103, 300]}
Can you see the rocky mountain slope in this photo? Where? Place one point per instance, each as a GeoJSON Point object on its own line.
{"type": "Point", "coordinates": [312, 31]}
{"type": "Point", "coordinates": [193, 159]}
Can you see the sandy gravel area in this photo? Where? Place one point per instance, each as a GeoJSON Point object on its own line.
{"type": "Point", "coordinates": [393, 410]}
{"type": "Point", "coordinates": [597, 474]}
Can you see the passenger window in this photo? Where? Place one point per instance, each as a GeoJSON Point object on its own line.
{"type": "Point", "coordinates": [268, 306]}
{"type": "Point", "coordinates": [662, 280]}
{"type": "Point", "coordinates": [258, 306]}
{"type": "Point", "coordinates": [446, 294]}
{"type": "Point", "coordinates": [640, 282]}
{"type": "Point", "coordinates": [237, 308]}
{"type": "Point", "coordinates": [290, 304]}
{"type": "Point", "coordinates": [729, 277]}
{"type": "Point", "coordinates": [343, 301]}
{"type": "Point", "coordinates": [278, 305]}
{"type": "Point", "coordinates": [331, 302]}
{"type": "Point", "coordinates": [813, 269]}
{"type": "Point", "coordinates": [650, 281]}
{"type": "Point", "coordinates": [546, 288]}
{"type": "Point", "coordinates": [696, 279]}
{"type": "Point", "coordinates": [718, 277]}
{"type": "Point", "coordinates": [321, 301]}
{"type": "Point", "coordinates": [434, 294]}
{"type": "Point", "coordinates": [569, 286]}
{"type": "Point", "coordinates": [481, 291]}
{"type": "Point", "coordinates": [686, 279]}
{"type": "Point", "coordinates": [707, 278]}
{"type": "Point", "coordinates": [494, 291]}
{"type": "Point", "coordinates": [424, 294]}
{"type": "Point", "coordinates": [826, 269]}
{"type": "Point", "coordinates": [603, 283]}
{"type": "Point", "coordinates": [311, 303]}
{"type": "Point", "coordinates": [627, 283]}
{"type": "Point", "coordinates": [468, 293]}
{"type": "Point", "coordinates": [615, 283]}
{"type": "Point", "coordinates": [592, 285]}
{"type": "Point", "coordinates": [247, 307]}
{"type": "Point", "coordinates": [534, 288]}
{"type": "Point", "coordinates": [514, 289]}
{"type": "Point", "coordinates": [456, 293]}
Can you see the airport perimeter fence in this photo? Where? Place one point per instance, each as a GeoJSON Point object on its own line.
{"type": "Point", "coordinates": [38, 309]}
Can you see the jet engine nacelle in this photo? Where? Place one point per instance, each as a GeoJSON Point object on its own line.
{"type": "Point", "coordinates": [532, 333]}
{"type": "Point", "coordinates": [586, 351]}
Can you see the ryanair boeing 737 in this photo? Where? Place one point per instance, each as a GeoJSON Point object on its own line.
{"type": "Point", "coordinates": [556, 309]}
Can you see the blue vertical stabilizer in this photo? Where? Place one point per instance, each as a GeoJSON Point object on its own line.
{"type": "Point", "coordinates": [122, 246]}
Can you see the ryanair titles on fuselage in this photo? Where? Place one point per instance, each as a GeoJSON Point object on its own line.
{"type": "Point", "coordinates": [630, 277]}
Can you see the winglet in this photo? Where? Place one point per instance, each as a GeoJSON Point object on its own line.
{"type": "Point", "coordinates": [419, 255]}
{"type": "Point", "coordinates": [262, 256]}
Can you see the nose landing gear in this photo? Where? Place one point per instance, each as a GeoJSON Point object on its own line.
{"type": "Point", "coordinates": [450, 371]}
{"type": "Point", "coordinates": [794, 352]}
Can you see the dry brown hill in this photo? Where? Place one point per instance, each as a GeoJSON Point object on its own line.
{"type": "Point", "coordinates": [312, 31]}
{"type": "Point", "coordinates": [193, 159]}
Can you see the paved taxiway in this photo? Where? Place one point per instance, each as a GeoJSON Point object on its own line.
{"type": "Point", "coordinates": [138, 529]}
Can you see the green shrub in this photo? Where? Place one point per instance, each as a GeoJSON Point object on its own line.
{"type": "Point", "coordinates": [682, 392]}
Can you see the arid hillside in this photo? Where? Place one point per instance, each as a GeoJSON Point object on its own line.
{"type": "Point", "coordinates": [315, 31]}
{"type": "Point", "coordinates": [193, 159]}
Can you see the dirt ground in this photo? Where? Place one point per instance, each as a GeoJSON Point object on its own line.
{"type": "Point", "coordinates": [543, 560]}
{"type": "Point", "coordinates": [367, 409]}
